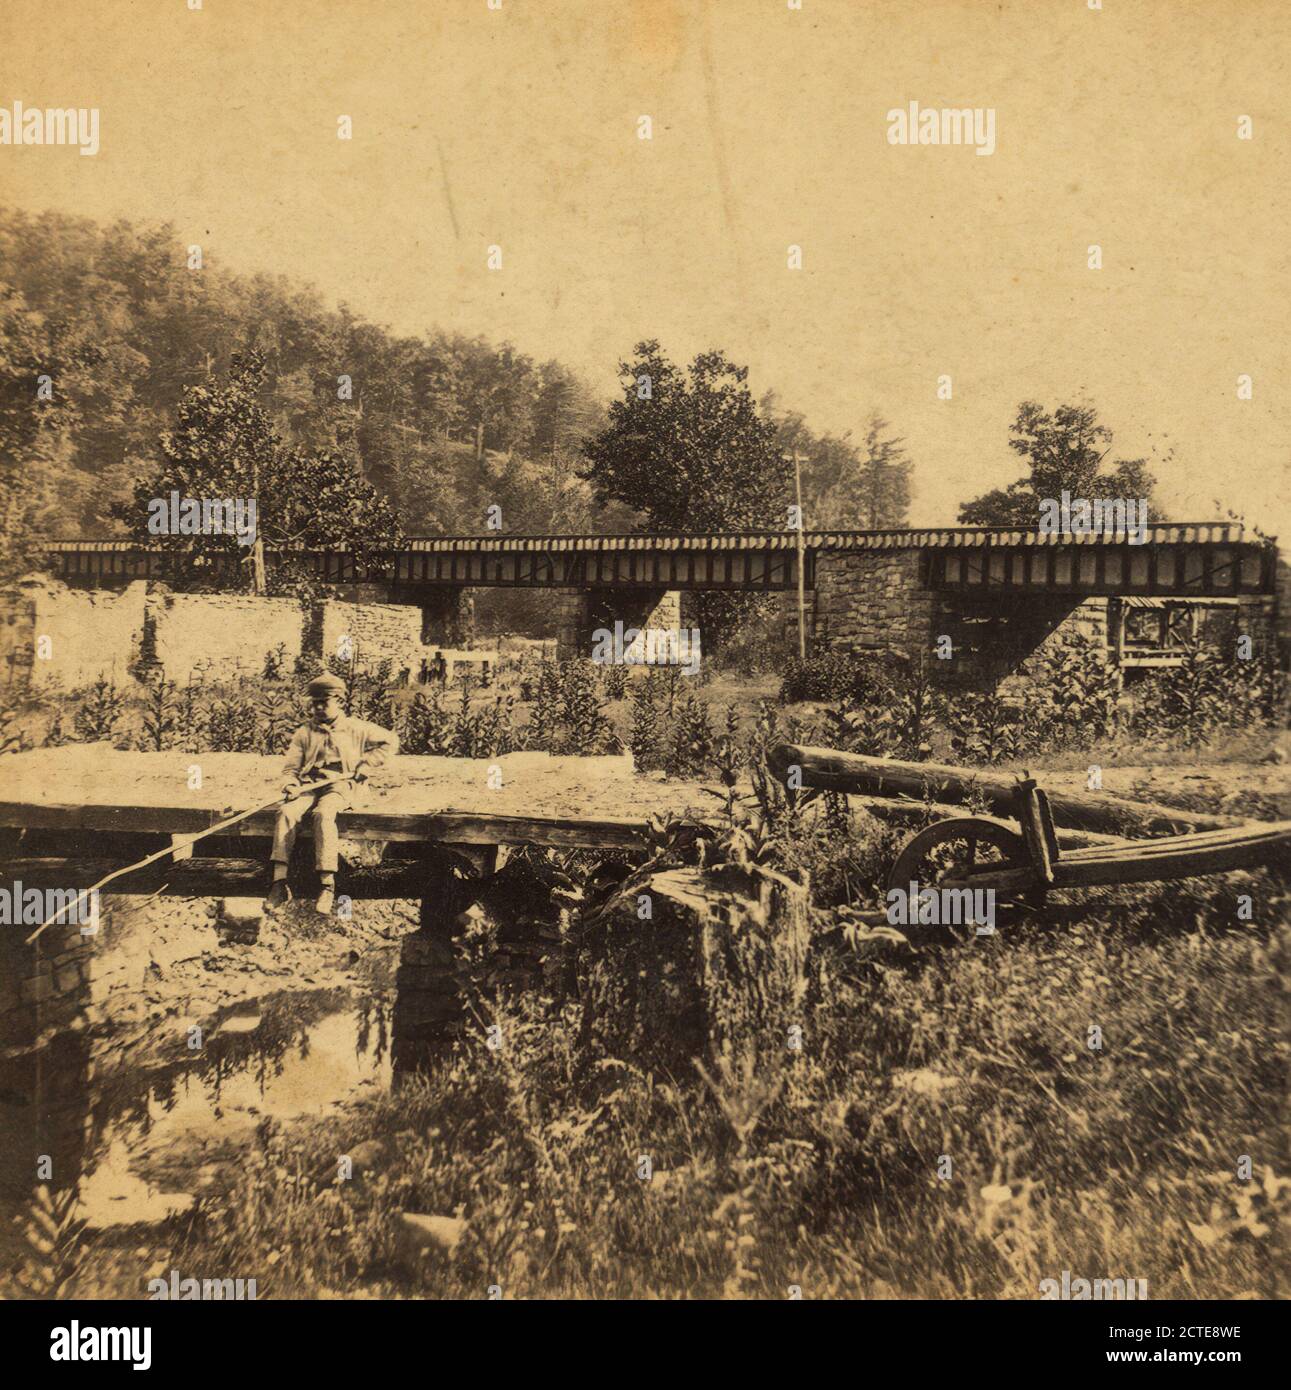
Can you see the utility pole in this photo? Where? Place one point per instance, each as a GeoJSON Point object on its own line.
{"type": "Point", "coordinates": [802, 581]}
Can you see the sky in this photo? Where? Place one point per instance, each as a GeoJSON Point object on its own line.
{"type": "Point", "coordinates": [518, 127]}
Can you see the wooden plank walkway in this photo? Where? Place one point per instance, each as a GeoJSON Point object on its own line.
{"type": "Point", "coordinates": [543, 800]}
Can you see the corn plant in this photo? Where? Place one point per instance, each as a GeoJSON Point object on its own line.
{"type": "Point", "coordinates": [540, 733]}
{"type": "Point", "coordinates": [99, 712]}
{"type": "Point", "coordinates": [276, 717]}
{"type": "Point", "coordinates": [645, 732]}
{"type": "Point", "coordinates": [1082, 693]}
{"type": "Point", "coordinates": [231, 725]}
{"type": "Point", "coordinates": [275, 663]}
{"type": "Point", "coordinates": [158, 718]}
{"type": "Point", "coordinates": [51, 1237]}
{"type": "Point", "coordinates": [13, 739]}
{"type": "Point", "coordinates": [426, 726]}
{"type": "Point", "coordinates": [983, 729]}
{"type": "Point", "coordinates": [614, 681]}
{"type": "Point", "coordinates": [587, 729]}
{"type": "Point", "coordinates": [692, 745]}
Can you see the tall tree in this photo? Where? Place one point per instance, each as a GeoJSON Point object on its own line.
{"type": "Point", "coordinates": [224, 446]}
{"type": "Point", "coordinates": [841, 487]}
{"type": "Point", "coordinates": [1063, 449]}
{"type": "Point", "coordinates": [45, 374]}
{"type": "Point", "coordinates": [690, 451]}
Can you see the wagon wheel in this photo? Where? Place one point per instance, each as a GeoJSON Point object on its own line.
{"type": "Point", "coordinates": [951, 849]}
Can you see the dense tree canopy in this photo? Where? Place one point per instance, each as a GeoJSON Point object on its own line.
{"type": "Point", "coordinates": [1063, 450]}
{"type": "Point", "coordinates": [846, 486]}
{"type": "Point", "coordinates": [690, 450]}
{"type": "Point", "coordinates": [120, 366]}
{"type": "Point", "coordinates": [224, 447]}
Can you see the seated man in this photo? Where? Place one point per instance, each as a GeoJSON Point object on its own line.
{"type": "Point", "coordinates": [331, 745]}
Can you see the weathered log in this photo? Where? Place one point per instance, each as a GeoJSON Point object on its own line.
{"type": "Point", "coordinates": [916, 813]}
{"type": "Point", "coordinates": [443, 827]}
{"type": "Point", "coordinates": [854, 772]}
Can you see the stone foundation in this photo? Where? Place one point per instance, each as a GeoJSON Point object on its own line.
{"type": "Point", "coordinates": [873, 601]}
{"type": "Point", "coordinates": [100, 633]}
{"type": "Point", "coordinates": [581, 612]}
{"type": "Point", "coordinates": [44, 1056]}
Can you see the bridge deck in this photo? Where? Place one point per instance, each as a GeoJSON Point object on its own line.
{"type": "Point", "coordinates": [1188, 558]}
{"type": "Point", "coordinates": [86, 790]}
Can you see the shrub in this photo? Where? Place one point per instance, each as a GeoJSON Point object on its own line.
{"type": "Point", "coordinates": [838, 675]}
{"type": "Point", "coordinates": [99, 712]}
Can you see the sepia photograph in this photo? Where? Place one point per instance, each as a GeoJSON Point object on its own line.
{"type": "Point", "coordinates": [645, 655]}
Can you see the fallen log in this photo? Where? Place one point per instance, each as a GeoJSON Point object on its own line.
{"type": "Point", "coordinates": [830, 769]}
{"type": "Point", "coordinates": [918, 813]}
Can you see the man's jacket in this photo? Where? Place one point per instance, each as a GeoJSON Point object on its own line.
{"type": "Point", "coordinates": [356, 742]}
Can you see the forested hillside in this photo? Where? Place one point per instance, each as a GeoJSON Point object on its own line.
{"type": "Point", "coordinates": [103, 328]}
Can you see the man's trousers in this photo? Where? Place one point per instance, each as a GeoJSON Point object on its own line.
{"type": "Point", "coordinates": [323, 806]}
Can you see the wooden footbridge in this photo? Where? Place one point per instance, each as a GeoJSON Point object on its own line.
{"type": "Point", "coordinates": [72, 815]}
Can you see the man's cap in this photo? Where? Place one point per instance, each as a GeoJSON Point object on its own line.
{"type": "Point", "coordinates": [326, 685]}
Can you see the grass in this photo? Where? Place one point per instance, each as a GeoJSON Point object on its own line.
{"type": "Point", "coordinates": [945, 1129]}
{"type": "Point", "coordinates": [705, 1111]}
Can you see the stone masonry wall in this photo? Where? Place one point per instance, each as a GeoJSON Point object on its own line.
{"type": "Point", "coordinates": [581, 612]}
{"type": "Point", "coordinates": [44, 1055]}
{"type": "Point", "coordinates": [96, 633]}
{"type": "Point", "coordinates": [91, 634]}
{"type": "Point", "coordinates": [1005, 643]}
{"type": "Point", "coordinates": [376, 631]}
{"type": "Point", "coordinates": [873, 600]}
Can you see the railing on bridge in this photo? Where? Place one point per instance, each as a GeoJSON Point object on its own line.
{"type": "Point", "coordinates": [1193, 559]}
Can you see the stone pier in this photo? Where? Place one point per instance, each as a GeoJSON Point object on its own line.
{"type": "Point", "coordinates": [44, 1056]}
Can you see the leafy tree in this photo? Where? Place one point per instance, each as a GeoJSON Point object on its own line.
{"type": "Point", "coordinates": [224, 446]}
{"type": "Point", "coordinates": [44, 365]}
{"type": "Point", "coordinates": [841, 486]}
{"type": "Point", "coordinates": [690, 451]}
{"type": "Point", "coordinates": [1062, 449]}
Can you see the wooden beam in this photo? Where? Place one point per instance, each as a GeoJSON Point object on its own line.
{"type": "Point", "coordinates": [211, 878]}
{"type": "Point", "coordinates": [917, 813]}
{"type": "Point", "coordinates": [441, 827]}
{"type": "Point", "coordinates": [853, 772]}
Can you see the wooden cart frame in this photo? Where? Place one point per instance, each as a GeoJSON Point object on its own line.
{"type": "Point", "coordinates": [1024, 863]}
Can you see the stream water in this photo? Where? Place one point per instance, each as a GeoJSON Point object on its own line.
{"type": "Point", "coordinates": [145, 1140]}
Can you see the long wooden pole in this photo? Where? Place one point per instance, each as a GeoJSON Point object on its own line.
{"type": "Point", "coordinates": [854, 772]}
{"type": "Point", "coordinates": [177, 846]}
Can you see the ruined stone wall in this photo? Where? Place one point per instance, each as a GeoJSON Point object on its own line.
{"type": "Point", "coordinates": [91, 633]}
{"type": "Point", "coordinates": [193, 636]}
{"type": "Point", "coordinates": [222, 635]}
{"type": "Point", "coordinates": [376, 632]}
